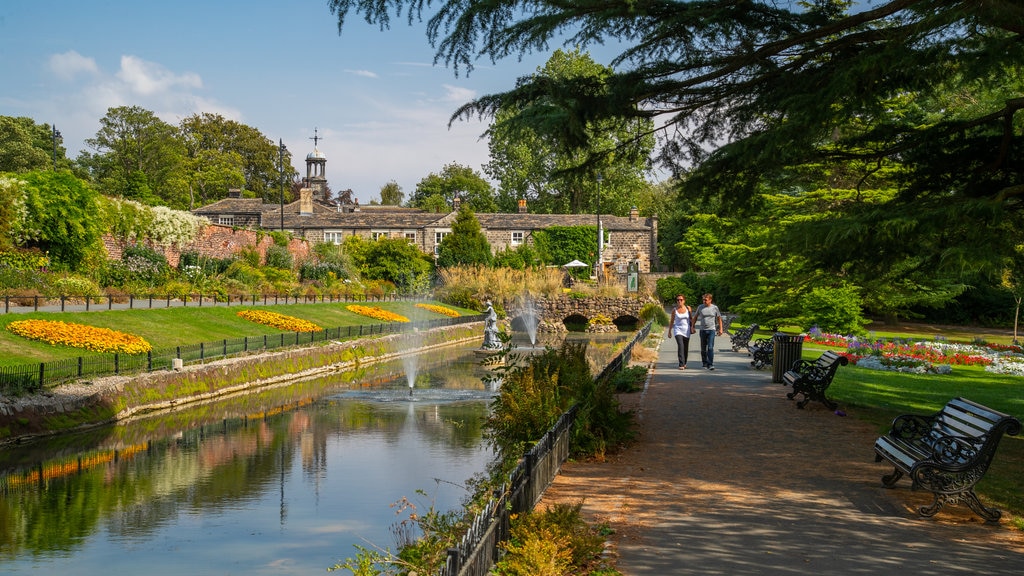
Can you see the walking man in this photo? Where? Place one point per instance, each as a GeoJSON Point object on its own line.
{"type": "Point", "coordinates": [709, 321]}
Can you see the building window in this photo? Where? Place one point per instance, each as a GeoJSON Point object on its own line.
{"type": "Point", "coordinates": [379, 235]}
{"type": "Point", "coordinates": [226, 220]}
{"type": "Point", "coordinates": [438, 237]}
{"type": "Point", "coordinates": [517, 237]}
{"type": "Point", "coordinates": [332, 236]}
{"type": "Point", "coordinates": [410, 237]}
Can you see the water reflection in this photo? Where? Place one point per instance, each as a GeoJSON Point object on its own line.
{"type": "Point", "coordinates": [282, 481]}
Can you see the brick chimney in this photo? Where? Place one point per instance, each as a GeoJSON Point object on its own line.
{"type": "Point", "coordinates": [456, 203]}
{"type": "Point", "coordinates": [234, 192]}
{"type": "Point", "coordinates": [634, 214]}
{"type": "Point", "coordinates": [306, 201]}
{"type": "Point", "coordinates": [522, 205]}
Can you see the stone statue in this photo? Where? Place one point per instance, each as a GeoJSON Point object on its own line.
{"type": "Point", "coordinates": [491, 341]}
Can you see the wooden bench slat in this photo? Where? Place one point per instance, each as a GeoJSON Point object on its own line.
{"type": "Point", "coordinates": [946, 453]}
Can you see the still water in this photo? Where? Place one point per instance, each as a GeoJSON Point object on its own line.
{"type": "Point", "coordinates": [284, 481]}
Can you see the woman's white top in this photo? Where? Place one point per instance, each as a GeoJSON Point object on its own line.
{"type": "Point", "coordinates": [681, 322]}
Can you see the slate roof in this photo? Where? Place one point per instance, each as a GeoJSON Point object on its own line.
{"type": "Point", "coordinates": [326, 216]}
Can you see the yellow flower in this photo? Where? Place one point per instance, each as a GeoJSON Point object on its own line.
{"type": "Point", "coordinates": [279, 321]}
{"type": "Point", "coordinates": [56, 333]}
{"type": "Point", "coordinates": [376, 313]}
{"type": "Point", "coordinates": [439, 310]}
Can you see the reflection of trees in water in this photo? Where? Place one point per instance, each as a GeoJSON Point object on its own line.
{"type": "Point", "coordinates": [212, 467]}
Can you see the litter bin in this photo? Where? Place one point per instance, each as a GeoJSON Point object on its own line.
{"type": "Point", "coordinates": [787, 349]}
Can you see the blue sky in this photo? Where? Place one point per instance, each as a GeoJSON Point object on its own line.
{"type": "Point", "coordinates": [375, 97]}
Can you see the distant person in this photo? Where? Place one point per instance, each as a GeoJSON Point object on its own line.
{"type": "Point", "coordinates": [709, 321]}
{"type": "Point", "coordinates": [681, 328]}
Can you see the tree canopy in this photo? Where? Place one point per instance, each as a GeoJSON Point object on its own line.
{"type": "Point", "coordinates": [530, 164]}
{"type": "Point", "coordinates": [437, 192]}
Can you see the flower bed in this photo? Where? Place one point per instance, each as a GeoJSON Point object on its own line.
{"type": "Point", "coordinates": [376, 313]}
{"type": "Point", "coordinates": [922, 357]}
{"type": "Point", "coordinates": [92, 338]}
{"type": "Point", "coordinates": [280, 321]}
{"type": "Point", "coordinates": [439, 309]}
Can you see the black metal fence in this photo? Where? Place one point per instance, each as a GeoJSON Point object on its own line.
{"type": "Point", "coordinates": [478, 550]}
{"type": "Point", "coordinates": [77, 303]}
{"type": "Point", "coordinates": [33, 377]}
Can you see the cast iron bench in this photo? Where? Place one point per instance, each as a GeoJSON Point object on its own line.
{"type": "Point", "coordinates": [946, 453]}
{"type": "Point", "coordinates": [741, 339]}
{"type": "Point", "coordinates": [811, 379]}
{"type": "Point", "coordinates": [763, 350]}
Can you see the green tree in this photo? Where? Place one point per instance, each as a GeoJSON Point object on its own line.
{"type": "Point", "coordinates": [746, 91]}
{"type": "Point", "coordinates": [454, 180]}
{"type": "Point", "coordinates": [391, 194]}
{"type": "Point", "coordinates": [392, 259]}
{"type": "Point", "coordinates": [259, 155]}
{"type": "Point", "coordinates": [25, 146]}
{"type": "Point", "coordinates": [466, 245]}
{"type": "Point", "coordinates": [137, 156]}
{"type": "Point", "coordinates": [57, 215]}
{"type": "Point", "coordinates": [530, 162]}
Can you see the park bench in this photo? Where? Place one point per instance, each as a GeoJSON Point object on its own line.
{"type": "Point", "coordinates": [741, 339]}
{"type": "Point", "coordinates": [763, 350]}
{"type": "Point", "coordinates": [946, 453]}
{"type": "Point", "coordinates": [811, 379]}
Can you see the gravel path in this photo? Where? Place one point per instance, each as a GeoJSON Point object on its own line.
{"type": "Point", "coordinates": [729, 477]}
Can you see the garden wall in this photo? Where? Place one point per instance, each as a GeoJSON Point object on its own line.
{"type": "Point", "coordinates": [214, 241]}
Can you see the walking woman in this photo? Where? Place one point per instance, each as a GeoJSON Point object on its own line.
{"type": "Point", "coordinates": [681, 326]}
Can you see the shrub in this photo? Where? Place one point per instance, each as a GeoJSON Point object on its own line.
{"type": "Point", "coordinates": [833, 309]}
{"type": "Point", "coordinates": [73, 286]}
{"type": "Point", "coordinates": [554, 542]}
{"type": "Point", "coordinates": [279, 257]}
{"type": "Point", "coordinates": [654, 312]}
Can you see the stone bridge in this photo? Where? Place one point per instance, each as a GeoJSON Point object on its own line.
{"type": "Point", "coordinates": [554, 313]}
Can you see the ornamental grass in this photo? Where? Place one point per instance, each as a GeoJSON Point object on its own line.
{"type": "Point", "coordinates": [439, 309]}
{"type": "Point", "coordinates": [279, 321]}
{"type": "Point", "coordinates": [376, 313]}
{"type": "Point", "coordinates": [92, 338]}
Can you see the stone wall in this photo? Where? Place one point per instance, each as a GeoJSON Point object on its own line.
{"type": "Point", "coordinates": [554, 311]}
{"type": "Point", "coordinates": [215, 241]}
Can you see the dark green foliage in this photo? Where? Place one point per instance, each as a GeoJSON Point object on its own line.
{"type": "Point", "coordinates": [279, 257]}
{"type": "Point", "coordinates": [521, 257]}
{"type": "Point", "coordinates": [60, 217]}
{"type": "Point", "coordinates": [466, 245]}
{"type": "Point", "coordinates": [391, 259]}
{"type": "Point", "coordinates": [562, 244]}
{"type": "Point", "coordinates": [139, 266]}
{"type": "Point", "coordinates": [629, 379]}
{"type": "Point", "coordinates": [833, 309]}
{"type": "Point", "coordinates": [654, 312]}
{"type": "Point", "coordinates": [534, 396]}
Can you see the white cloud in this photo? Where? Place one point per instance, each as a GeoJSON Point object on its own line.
{"type": "Point", "coordinates": [70, 64]}
{"type": "Point", "coordinates": [458, 94]}
{"type": "Point", "coordinates": [148, 78]}
{"type": "Point", "coordinates": [363, 73]}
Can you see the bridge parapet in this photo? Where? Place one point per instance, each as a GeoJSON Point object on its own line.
{"type": "Point", "coordinates": [552, 312]}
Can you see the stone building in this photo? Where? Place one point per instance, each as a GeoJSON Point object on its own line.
{"type": "Point", "coordinates": [627, 238]}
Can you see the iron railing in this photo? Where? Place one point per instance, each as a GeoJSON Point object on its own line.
{"type": "Point", "coordinates": [33, 377]}
{"type": "Point", "coordinates": [80, 303]}
{"type": "Point", "coordinates": [479, 548]}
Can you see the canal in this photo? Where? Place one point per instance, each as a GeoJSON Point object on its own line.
{"type": "Point", "coordinates": [284, 481]}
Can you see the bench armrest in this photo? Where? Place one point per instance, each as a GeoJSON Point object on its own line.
{"type": "Point", "coordinates": [802, 367]}
{"type": "Point", "coordinates": [955, 450]}
{"type": "Point", "coordinates": [911, 427]}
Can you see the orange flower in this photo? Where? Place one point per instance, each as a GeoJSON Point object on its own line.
{"type": "Point", "coordinates": [57, 333]}
{"type": "Point", "coordinates": [439, 310]}
{"type": "Point", "coordinates": [280, 321]}
{"type": "Point", "coordinates": [376, 313]}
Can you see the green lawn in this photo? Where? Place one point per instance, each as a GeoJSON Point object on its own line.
{"type": "Point", "coordinates": [879, 396]}
{"type": "Point", "coordinates": [168, 327]}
